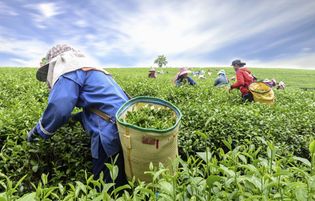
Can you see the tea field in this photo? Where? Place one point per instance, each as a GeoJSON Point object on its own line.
{"type": "Point", "coordinates": [228, 150]}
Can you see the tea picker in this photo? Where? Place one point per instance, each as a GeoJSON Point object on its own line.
{"type": "Point", "coordinates": [221, 80]}
{"type": "Point", "coordinates": [152, 73]}
{"type": "Point", "coordinates": [244, 78]}
{"type": "Point", "coordinates": [183, 78]}
{"type": "Point", "coordinates": [74, 82]}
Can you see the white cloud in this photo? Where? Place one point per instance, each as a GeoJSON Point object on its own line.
{"type": "Point", "coordinates": [306, 49]}
{"type": "Point", "coordinates": [182, 30]}
{"type": "Point", "coordinates": [81, 23]}
{"type": "Point", "coordinates": [44, 12]}
{"type": "Point", "coordinates": [193, 27]}
{"type": "Point", "coordinates": [47, 10]}
{"type": "Point", "coordinates": [25, 53]}
{"type": "Point", "coordinates": [90, 37]}
{"type": "Point", "coordinates": [7, 10]}
{"type": "Point", "coordinates": [302, 60]}
{"type": "Point", "coordinates": [29, 53]}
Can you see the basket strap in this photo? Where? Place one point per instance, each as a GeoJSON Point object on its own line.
{"type": "Point", "coordinates": [103, 115]}
{"type": "Point", "coordinates": [128, 96]}
{"type": "Point", "coordinates": [127, 137]}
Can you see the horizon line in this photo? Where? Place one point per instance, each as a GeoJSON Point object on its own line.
{"type": "Point", "coordinates": [289, 68]}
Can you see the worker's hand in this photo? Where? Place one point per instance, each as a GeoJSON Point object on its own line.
{"type": "Point", "coordinates": [230, 89]}
{"type": "Point", "coordinates": [77, 117]}
{"type": "Point", "coordinates": [72, 121]}
{"type": "Point", "coordinates": [32, 135]}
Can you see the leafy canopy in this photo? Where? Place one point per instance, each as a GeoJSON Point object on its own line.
{"type": "Point", "coordinates": [161, 60]}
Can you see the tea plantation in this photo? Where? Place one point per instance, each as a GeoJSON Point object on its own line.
{"type": "Point", "coordinates": [228, 150]}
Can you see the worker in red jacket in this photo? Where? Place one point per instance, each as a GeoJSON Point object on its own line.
{"type": "Point", "coordinates": [244, 78]}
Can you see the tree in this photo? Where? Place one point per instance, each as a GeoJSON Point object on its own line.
{"type": "Point", "coordinates": [43, 61]}
{"type": "Point", "coordinates": [161, 61]}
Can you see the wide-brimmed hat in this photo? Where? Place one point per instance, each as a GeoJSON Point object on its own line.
{"type": "Point", "coordinates": [152, 69]}
{"type": "Point", "coordinates": [42, 71]}
{"type": "Point", "coordinates": [238, 62]}
{"type": "Point", "coordinates": [183, 71]}
{"type": "Point", "coordinates": [221, 72]}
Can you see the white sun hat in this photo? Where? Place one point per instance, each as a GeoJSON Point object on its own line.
{"type": "Point", "coordinates": [61, 59]}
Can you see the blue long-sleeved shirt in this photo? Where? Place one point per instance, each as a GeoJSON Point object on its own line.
{"type": "Point", "coordinates": [221, 80]}
{"type": "Point", "coordinates": [85, 89]}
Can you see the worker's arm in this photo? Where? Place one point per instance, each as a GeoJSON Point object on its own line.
{"type": "Point", "coordinates": [239, 81]}
{"type": "Point", "coordinates": [62, 99]}
{"type": "Point", "coordinates": [191, 81]}
{"type": "Point", "coordinates": [217, 81]}
{"type": "Point", "coordinates": [175, 79]}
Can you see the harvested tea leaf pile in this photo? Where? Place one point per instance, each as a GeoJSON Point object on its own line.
{"type": "Point", "coordinates": [150, 117]}
{"type": "Point", "coordinates": [259, 88]}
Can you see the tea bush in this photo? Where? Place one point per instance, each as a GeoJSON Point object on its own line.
{"type": "Point", "coordinates": [210, 117]}
{"type": "Point", "coordinates": [218, 114]}
{"type": "Point", "coordinates": [238, 174]}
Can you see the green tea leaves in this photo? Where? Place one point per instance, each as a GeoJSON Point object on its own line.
{"type": "Point", "coordinates": [151, 117]}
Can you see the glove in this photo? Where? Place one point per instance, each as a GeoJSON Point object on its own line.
{"type": "Point", "coordinates": [32, 135]}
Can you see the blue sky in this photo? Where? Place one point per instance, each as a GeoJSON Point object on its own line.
{"type": "Point", "coordinates": [119, 33]}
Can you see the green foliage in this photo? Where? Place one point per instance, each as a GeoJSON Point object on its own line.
{"type": "Point", "coordinates": [161, 61]}
{"type": "Point", "coordinates": [219, 114]}
{"type": "Point", "coordinates": [150, 117]}
{"type": "Point", "coordinates": [64, 157]}
{"type": "Point", "coordinates": [240, 161]}
{"type": "Point", "coordinates": [243, 173]}
{"type": "Point", "coordinates": [43, 61]}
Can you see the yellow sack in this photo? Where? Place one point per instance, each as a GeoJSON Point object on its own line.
{"type": "Point", "coordinates": [144, 145]}
{"type": "Point", "coordinates": [262, 93]}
